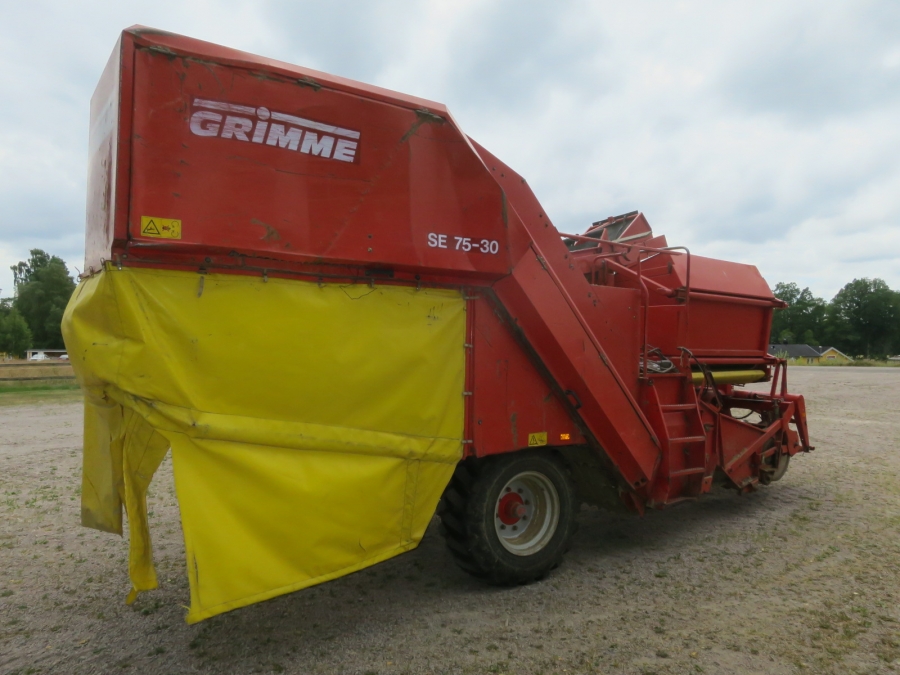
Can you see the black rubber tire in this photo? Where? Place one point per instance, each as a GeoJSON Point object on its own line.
{"type": "Point", "coordinates": [467, 510]}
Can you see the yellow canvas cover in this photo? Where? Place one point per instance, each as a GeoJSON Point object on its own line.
{"type": "Point", "coordinates": [313, 427]}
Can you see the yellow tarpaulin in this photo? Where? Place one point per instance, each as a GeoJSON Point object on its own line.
{"type": "Point", "coordinates": [313, 427]}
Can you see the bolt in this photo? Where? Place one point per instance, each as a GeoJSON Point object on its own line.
{"type": "Point", "coordinates": [508, 489]}
{"type": "Point", "coordinates": [515, 527]}
{"type": "Point", "coordinates": [519, 490]}
{"type": "Point", "coordinates": [503, 527]}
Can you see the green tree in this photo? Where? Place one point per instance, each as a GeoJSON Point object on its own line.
{"type": "Point", "coordinates": [43, 288]}
{"type": "Point", "coordinates": [864, 318]}
{"type": "Point", "coordinates": [24, 270]}
{"type": "Point", "coordinates": [15, 336]}
{"type": "Point", "coordinates": [803, 319]}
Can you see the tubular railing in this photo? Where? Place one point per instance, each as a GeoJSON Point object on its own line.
{"type": "Point", "coordinates": [642, 282]}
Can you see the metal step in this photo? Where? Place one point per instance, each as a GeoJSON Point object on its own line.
{"type": "Point", "coordinates": [687, 439]}
{"type": "Point", "coordinates": [687, 472]}
{"type": "Point", "coordinates": [672, 407]}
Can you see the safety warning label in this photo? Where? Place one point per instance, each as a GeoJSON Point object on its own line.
{"type": "Point", "coordinates": [537, 439]}
{"type": "Point", "coordinates": [162, 228]}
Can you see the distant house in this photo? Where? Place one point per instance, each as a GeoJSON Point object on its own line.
{"type": "Point", "coordinates": [797, 353]}
{"type": "Point", "coordinates": [833, 354]}
{"type": "Point", "coordinates": [809, 355]}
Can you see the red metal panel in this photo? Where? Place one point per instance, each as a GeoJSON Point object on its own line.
{"type": "Point", "coordinates": [721, 276]}
{"type": "Point", "coordinates": [721, 326]}
{"type": "Point", "coordinates": [567, 348]}
{"type": "Point", "coordinates": [258, 158]}
{"type": "Point", "coordinates": [109, 146]}
{"type": "Point", "coordinates": [511, 399]}
{"type": "Point", "coordinates": [102, 156]}
{"type": "Point", "coordinates": [616, 315]}
{"type": "Point", "coordinates": [226, 176]}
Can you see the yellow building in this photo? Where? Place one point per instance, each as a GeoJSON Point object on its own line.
{"type": "Point", "coordinates": [803, 354]}
{"type": "Point", "coordinates": [833, 355]}
{"type": "Point", "coordinates": [809, 355]}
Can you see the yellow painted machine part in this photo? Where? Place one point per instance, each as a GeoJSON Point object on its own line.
{"type": "Point", "coordinates": [312, 427]}
{"type": "Point", "coordinates": [731, 376]}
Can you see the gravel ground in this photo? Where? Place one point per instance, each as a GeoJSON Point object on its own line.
{"type": "Point", "coordinates": [800, 577]}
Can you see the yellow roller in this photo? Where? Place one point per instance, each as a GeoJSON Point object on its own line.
{"type": "Point", "coordinates": [731, 376]}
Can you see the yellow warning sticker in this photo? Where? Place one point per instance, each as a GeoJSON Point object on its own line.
{"type": "Point", "coordinates": [537, 439]}
{"type": "Point", "coordinates": [161, 228]}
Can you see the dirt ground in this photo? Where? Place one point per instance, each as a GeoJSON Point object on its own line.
{"type": "Point", "coordinates": [800, 577]}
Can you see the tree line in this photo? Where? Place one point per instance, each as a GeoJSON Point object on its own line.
{"type": "Point", "coordinates": [863, 319]}
{"type": "Point", "coordinates": [32, 318]}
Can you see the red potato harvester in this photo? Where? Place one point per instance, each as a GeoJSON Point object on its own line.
{"type": "Point", "coordinates": [437, 343]}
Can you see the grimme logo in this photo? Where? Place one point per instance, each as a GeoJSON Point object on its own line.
{"type": "Point", "coordinates": [259, 125]}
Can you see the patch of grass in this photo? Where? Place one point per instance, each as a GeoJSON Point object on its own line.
{"type": "Point", "coordinates": [39, 391]}
{"type": "Point", "coordinates": [858, 363]}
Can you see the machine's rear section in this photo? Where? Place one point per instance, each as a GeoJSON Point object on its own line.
{"type": "Point", "coordinates": [326, 299]}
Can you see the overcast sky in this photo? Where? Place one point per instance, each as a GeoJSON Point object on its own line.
{"type": "Point", "coordinates": [765, 132]}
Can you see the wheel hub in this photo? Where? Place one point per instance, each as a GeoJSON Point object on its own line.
{"type": "Point", "coordinates": [511, 508]}
{"type": "Point", "coordinates": [527, 513]}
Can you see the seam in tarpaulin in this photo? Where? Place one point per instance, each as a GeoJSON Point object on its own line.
{"type": "Point", "coordinates": [277, 433]}
{"type": "Point", "coordinates": [121, 324]}
{"type": "Point", "coordinates": [409, 505]}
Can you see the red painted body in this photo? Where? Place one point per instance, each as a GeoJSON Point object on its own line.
{"type": "Point", "coordinates": [278, 170]}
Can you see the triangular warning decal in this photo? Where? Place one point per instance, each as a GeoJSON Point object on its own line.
{"type": "Point", "coordinates": [162, 228]}
{"type": "Point", "coordinates": [150, 228]}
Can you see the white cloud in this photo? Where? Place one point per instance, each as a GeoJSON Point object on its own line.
{"type": "Point", "coordinates": [762, 132]}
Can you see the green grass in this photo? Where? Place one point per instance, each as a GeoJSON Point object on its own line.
{"type": "Point", "coordinates": [39, 391]}
{"type": "Point", "coordinates": [858, 363]}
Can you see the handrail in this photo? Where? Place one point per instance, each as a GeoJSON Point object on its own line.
{"type": "Point", "coordinates": [687, 286]}
{"type": "Point", "coordinates": [645, 292]}
{"type": "Point", "coordinates": [581, 237]}
{"type": "Point", "coordinates": [663, 290]}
